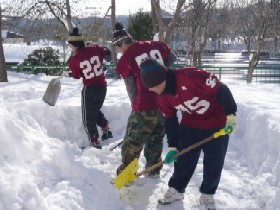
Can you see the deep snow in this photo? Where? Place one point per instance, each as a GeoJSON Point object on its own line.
{"type": "Point", "coordinates": [42, 167]}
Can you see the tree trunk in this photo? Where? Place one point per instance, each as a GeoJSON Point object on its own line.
{"type": "Point", "coordinates": [176, 16]}
{"type": "Point", "coordinates": [199, 57]}
{"type": "Point", "coordinates": [64, 18]}
{"type": "Point", "coordinates": [113, 49]}
{"type": "Point", "coordinates": [193, 47]}
{"type": "Point", "coordinates": [165, 37]}
{"type": "Point", "coordinates": [252, 63]}
{"type": "Point", "coordinates": [154, 18]}
{"type": "Point", "coordinates": [156, 5]}
{"type": "Point", "coordinates": [250, 74]}
{"type": "Point", "coordinates": [3, 71]}
{"type": "Point", "coordinates": [275, 45]}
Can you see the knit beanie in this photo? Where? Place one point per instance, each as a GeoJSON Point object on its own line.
{"type": "Point", "coordinates": [152, 73]}
{"type": "Point", "coordinates": [119, 33]}
{"type": "Point", "coordinates": [76, 39]}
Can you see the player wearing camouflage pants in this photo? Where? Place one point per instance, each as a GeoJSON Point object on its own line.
{"type": "Point", "coordinates": [144, 129]}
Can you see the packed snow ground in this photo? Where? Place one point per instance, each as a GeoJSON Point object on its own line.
{"type": "Point", "coordinates": [42, 167]}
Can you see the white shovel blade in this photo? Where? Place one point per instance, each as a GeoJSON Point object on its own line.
{"type": "Point", "coordinates": [52, 92]}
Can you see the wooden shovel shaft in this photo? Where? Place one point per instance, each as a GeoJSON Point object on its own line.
{"type": "Point", "coordinates": [61, 76]}
{"type": "Point", "coordinates": [114, 147]}
{"type": "Point", "coordinates": [147, 170]}
{"type": "Point", "coordinates": [189, 148]}
{"type": "Point", "coordinates": [195, 145]}
{"type": "Point", "coordinates": [184, 151]}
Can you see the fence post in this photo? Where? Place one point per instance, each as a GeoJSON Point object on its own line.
{"type": "Point", "coordinates": [220, 73]}
{"type": "Point", "coordinates": [33, 69]}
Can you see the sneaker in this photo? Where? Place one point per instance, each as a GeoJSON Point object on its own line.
{"type": "Point", "coordinates": [207, 200]}
{"type": "Point", "coordinates": [95, 143]}
{"type": "Point", "coordinates": [107, 133]}
{"type": "Point", "coordinates": [170, 196]}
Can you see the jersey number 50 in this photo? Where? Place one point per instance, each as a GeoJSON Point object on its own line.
{"type": "Point", "coordinates": [91, 68]}
{"type": "Point", "coordinates": [155, 54]}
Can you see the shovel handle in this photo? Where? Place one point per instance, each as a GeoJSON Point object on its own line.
{"type": "Point", "coordinates": [217, 134]}
{"type": "Point", "coordinates": [147, 170]}
{"type": "Point", "coordinates": [115, 146]}
{"type": "Point", "coordinates": [64, 73]}
{"type": "Point", "coordinates": [59, 78]}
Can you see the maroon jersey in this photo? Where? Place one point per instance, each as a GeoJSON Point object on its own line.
{"type": "Point", "coordinates": [129, 65]}
{"type": "Point", "coordinates": [87, 63]}
{"type": "Point", "coordinates": [195, 97]}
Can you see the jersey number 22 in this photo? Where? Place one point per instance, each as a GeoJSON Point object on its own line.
{"type": "Point", "coordinates": [91, 68]}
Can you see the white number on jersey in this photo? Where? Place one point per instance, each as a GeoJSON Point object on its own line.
{"type": "Point", "coordinates": [90, 67]}
{"type": "Point", "coordinates": [199, 106]}
{"type": "Point", "coordinates": [155, 54]}
{"type": "Point", "coordinates": [211, 81]}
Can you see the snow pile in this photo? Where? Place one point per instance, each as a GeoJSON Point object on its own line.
{"type": "Point", "coordinates": [42, 166]}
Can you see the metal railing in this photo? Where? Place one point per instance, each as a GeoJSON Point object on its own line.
{"type": "Point", "coordinates": [265, 74]}
{"type": "Point", "coordinates": [53, 70]}
{"type": "Point", "coordinates": [261, 74]}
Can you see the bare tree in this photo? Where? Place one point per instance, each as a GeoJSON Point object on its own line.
{"type": "Point", "coordinates": [3, 71]}
{"type": "Point", "coordinates": [199, 16]}
{"type": "Point", "coordinates": [113, 22]}
{"type": "Point", "coordinates": [258, 22]}
{"type": "Point", "coordinates": [155, 4]}
{"type": "Point", "coordinates": [160, 26]}
{"type": "Point", "coordinates": [154, 18]}
{"type": "Point", "coordinates": [62, 12]}
{"type": "Point", "coordinates": [222, 25]}
{"type": "Point", "coordinates": [276, 33]}
{"type": "Point", "coordinates": [174, 20]}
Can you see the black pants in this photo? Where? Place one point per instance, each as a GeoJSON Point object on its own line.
{"type": "Point", "coordinates": [213, 161]}
{"type": "Point", "coordinates": [93, 97]}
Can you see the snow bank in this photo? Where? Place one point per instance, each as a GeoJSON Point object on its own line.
{"type": "Point", "coordinates": [39, 167]}
{"type": "Point", "coordinates": [257, 140]}
{"type": "Point", "coordinates": [42, 166]}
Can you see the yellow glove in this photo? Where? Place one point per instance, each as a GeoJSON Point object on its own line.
{"type": "Point", "coordinates": [231, 124]}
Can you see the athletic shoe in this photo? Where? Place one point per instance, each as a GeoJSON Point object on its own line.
{"type": "Point", "coordinates": [207, 200]}
{"type": "Point", "coordinates": [170, 196]}
{"type": "Point", "coordinates": [95, 143]}
{"type": "Point", "coordinates": [107, 133]}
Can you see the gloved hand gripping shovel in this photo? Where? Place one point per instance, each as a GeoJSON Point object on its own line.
{"type": "Point", "coordinates": [130, 172]}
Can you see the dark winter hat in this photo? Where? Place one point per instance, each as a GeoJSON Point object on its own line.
{"type": "Point", "coordinates": [76, 39]}
{"type": "Point", "coordinates": [119, 34]}
{"type": "Point", "coordinates": [152, 73]}
{"type": "Point", "coordinates": [75, 36]}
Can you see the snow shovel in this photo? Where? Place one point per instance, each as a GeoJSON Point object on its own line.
{"type": "Point", "coordinates": [127, 175]}
{"type": "Point", "coordinates": [130, 172]}
{"type": "Point", "coordinates": [53, 90]}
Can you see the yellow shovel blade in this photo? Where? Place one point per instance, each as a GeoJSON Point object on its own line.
{"type": "Point", "coordinates": [127, 175]}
